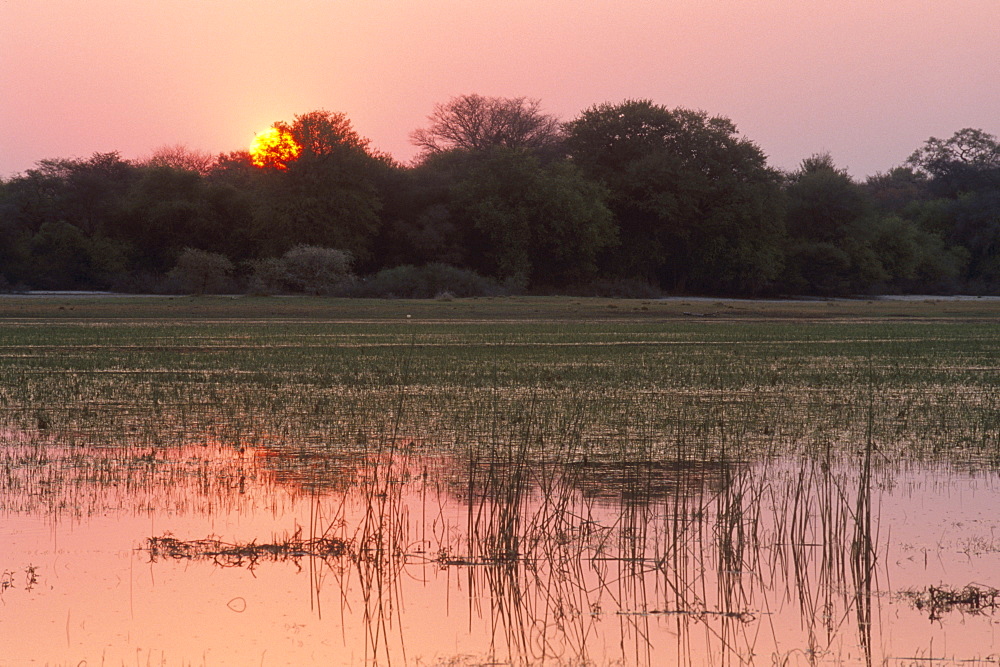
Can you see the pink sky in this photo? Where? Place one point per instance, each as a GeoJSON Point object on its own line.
{"type": "Point", "coordinates": [867, 81]}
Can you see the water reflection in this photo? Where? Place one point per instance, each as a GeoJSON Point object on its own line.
{"type": "Point", "coordinates": [492, 557]}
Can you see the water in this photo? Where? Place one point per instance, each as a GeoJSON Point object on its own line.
{"type": "Point", "coordinates": [463, 560]}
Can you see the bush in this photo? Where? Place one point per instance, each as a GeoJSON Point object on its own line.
{"type": "Point", "coordinates": [310, 269]}
{"type": "Point", "coordinates": [316, 270]}
{"type": "Point", "coordinates": [426, 282]}
{"type": "Point", "coordinates": [201, 272]}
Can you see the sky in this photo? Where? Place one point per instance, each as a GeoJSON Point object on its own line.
{"type": "Point", "coordinates": [869, 82]}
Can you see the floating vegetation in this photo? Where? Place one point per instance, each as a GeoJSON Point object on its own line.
{"type": "Point", "coordinates": [247, 555]}
{"type": "Point", "coordinates": [937, 601]}
{"type": "Point", "coordinates": [9, 578]}
{"type": "Point", "coordinates": [742, 616]}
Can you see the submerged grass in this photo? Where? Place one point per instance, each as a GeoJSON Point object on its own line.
{"type": "Point", "coordinates": [566, 381]}
{"type": "Point", "coordinates": [537, 415]}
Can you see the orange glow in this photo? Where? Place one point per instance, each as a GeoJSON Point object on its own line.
{"type": "Point", "coordinates": [274, 148]}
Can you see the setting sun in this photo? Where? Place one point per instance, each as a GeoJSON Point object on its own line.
{"type": "Point", "coordinates": [274, 148]}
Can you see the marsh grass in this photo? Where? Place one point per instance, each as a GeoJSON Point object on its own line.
{"type": "Point", "coordinates": [719, 390]}
{"type": "Point", "coordinates": [553, 560]}
{"type": "Point", "coordinates": [292, 548]}
{"type": "Point", "coordinates": [576, 468]}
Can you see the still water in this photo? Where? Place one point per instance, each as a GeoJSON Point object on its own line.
{"type": "Point", "coordinates": [471, 560]}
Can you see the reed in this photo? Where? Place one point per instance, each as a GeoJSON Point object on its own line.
{"type": "Point", "coordinates": [575, 471]}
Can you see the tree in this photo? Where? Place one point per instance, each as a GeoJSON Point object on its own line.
{"type": "Point", "coordinates": [913, 258]}
{"type": "Point", "coordinates": [418, 227]}
{"type": "Point", "coordinates": [85, 193]}
{"type": "Point", "coordinates": [13, 240]}
{"type": "Point", "coordinates": [975, 225]}
{"type": "Point", "coordinates": [967, 161]}
{"type": "Point", "coordinates": [309, 269]}
{"type": "Point", "coordinates": [168, 209]}
{"type": "Point", "coordinates": [845, 237]}
{"type": "Point", "coordinates": [823, 200]}
{"type": "Point", "coordinates": [529, 223]}
{"type": "Point", "coordinates": [964, 172]}
{"type": "Point", "coordinates": [320, 133]}
{"type": "Point", "coordinates": [59, 257]}
{"type": "Point", "coordinates": [327, 196]}
{"type": "Point", "coordinates": [476, 123]}
{"type": "Point", "coordinates": [59, 220]}
{"type": "Point", "coordinates": [179, 156]}
{"type": "Point", "coordinates": [897, 189]}
{"type": "Point", "coordinates": [829, 220]}
{"type": "Point", "coordinates": [696, 205]}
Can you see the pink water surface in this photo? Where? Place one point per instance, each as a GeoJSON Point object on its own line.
{"type": "Point", "coordinates": [693, 574]}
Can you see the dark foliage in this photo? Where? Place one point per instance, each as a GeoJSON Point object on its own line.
{"type": "Point", "coordinates": [426, 282]}
{"type": "Point", "coordinates": [628, 199]}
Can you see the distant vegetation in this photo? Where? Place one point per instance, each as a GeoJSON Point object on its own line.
{"type": "Point", "coordinates": [626, 199]}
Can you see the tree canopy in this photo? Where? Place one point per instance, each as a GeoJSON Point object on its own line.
{"type": "Point", "coordinates": [967, 161]}
{"type": "Point", "coordinates": [475, 122]}
{"type": "Point", "coordinates": [696, 205]}
{"type": "Point", "coordinates": [626, 198]}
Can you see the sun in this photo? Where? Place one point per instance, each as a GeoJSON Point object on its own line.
{"type": "Point", "coordinates": [274, 148]}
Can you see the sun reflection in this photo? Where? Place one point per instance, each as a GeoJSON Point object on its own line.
{"type": "Point", "coordinates": [274, 148]}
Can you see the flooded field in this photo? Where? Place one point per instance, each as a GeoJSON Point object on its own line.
{"type": "Point", "coordinates": [507, 492]}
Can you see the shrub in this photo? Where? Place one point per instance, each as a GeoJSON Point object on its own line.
{"type": "Point", "coordinates": [316, 270]}
{"type": "Point", "coordinates": [202, 272]}
{"type": "Point", "coordinates": [310, 269]}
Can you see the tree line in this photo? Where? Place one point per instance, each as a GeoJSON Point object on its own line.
{"type": "Point", "coordinates": [628, 199]}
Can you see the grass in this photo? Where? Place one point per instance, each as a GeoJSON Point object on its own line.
{"type": "Point", "coordinates": [643, 385]}
{"type": "Point", "coordinates": [725, 435]}
{"type": "Point", "coordinates": [485, 308]}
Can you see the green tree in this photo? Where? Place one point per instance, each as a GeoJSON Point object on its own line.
{"type": "Point", "coordinates": [58, 223]}
{"type": "Point", "coordinates": [162, 214]}
{"type": "Point", "coordinates": [169, 209]}
{"type": "Point", "coordinates": [830, 221]}
{"type": "Point", "coordinates": [418, 225]}
{"type": "Point", "coordinates": [975, 225]}
{"type": "Point", "coordinates": [13, 241]}
{"type": "Point", "coordinates": [696, 205]}
{"type": "Point", "coordinates": [327, 197]}
{"type": "Point", "coordinates": [528, 223]}
{"type": "Point", "coordinates": [823, 201]}
{"type": "Point", "coordinates": [915, 259]}
{"type": "Point", "coordinates": [85, 193]}
{"type": "Point", "coordinates": [968, 161]}
{"type": "Point", "coordinates": [59, 257]}
{"type": "Point", "coordinates": [964, 172]}
{"type": "Point", "coordinates": [898, 189]}
{"type": "Point", "coordinates": [846, 237]}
